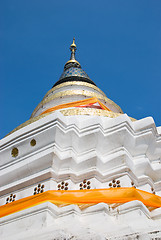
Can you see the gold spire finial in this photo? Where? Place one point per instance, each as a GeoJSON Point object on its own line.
{"type": "Point", "coordinates": [73, 46]}
{"type": "Point", "coordinates": [72, 60]}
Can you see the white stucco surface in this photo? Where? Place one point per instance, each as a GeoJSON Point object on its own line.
{"type": "Point", "coordinates": [71, 149]}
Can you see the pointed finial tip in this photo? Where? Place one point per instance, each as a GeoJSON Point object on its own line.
{"type": "Point", "coordinates": [73, 45]}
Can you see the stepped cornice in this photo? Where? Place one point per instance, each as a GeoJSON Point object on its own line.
{"type": "Point", "coordinates": [114, 150]}
{"type": "Point", "coordinates": [110, 216]}
{"type": "Point", "coordinates": [61, 168]}
{"type": "Point", "coordinates": [86, 125]}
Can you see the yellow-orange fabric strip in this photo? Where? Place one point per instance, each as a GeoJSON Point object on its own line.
{"type": "Point", "coordinates": [79, 197]}
{"type": "Point", "coordinates": [75, 104]}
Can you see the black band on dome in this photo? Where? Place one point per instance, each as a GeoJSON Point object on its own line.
{"type": "Point", "coordinates": [74, 78]}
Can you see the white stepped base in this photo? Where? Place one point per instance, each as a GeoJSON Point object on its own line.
{"type": "Point", "coordinates": [117, 149]}
{"type": "Point", "coordinates": [129, 221]}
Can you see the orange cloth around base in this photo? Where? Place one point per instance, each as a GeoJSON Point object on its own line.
{"type": "Point", "coordinates": [76, 104]}
{"type": "Point", "coordinates": [79, 197]}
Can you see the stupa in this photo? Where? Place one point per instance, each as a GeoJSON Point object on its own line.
{"type": "Point", "coordinates": [80, 168]}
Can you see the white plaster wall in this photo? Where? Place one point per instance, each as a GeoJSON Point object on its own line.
{"type": "Point", "coordinates": [74, 148]}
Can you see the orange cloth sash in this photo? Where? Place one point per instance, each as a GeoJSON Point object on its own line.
{"type": "Point", "coordinates": [79, 197]}
{"type": "Point", "coordinates": [76, 104]}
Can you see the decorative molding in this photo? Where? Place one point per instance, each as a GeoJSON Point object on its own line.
{"type": "Point", "coordinates": [77, 83]}
{"type": "Point", "coordinates": [72, 93]}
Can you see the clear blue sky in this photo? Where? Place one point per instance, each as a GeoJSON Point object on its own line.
{"type": "Point", "coordinates": [118, 45]}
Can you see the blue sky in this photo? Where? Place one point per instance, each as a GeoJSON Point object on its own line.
{"type": "Point", "coordinates": [118, 45]}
